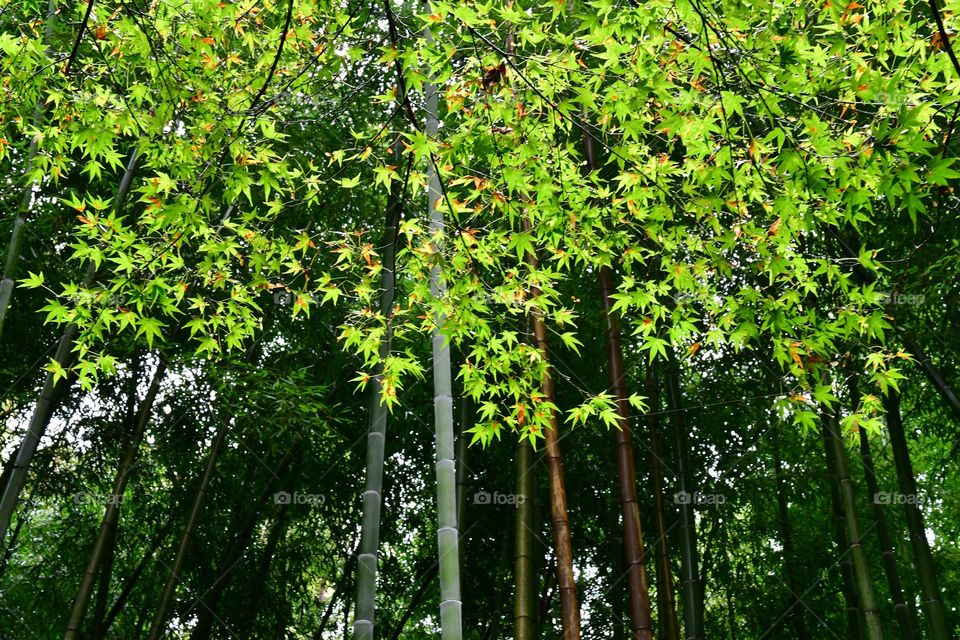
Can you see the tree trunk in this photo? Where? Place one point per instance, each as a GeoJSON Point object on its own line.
{"type": "Point", "coordinates": [524, 574]}
{"type": "Point", "coordinates": [53, 390]}
{"type": "Point", "coordinates": [795, 606]}
{"type": "Point", "coordinates": [426, 580]}
{"type": "Point", "coordinates": [131, 581]}
{"type": "Point", "coordinates": [170, 589]}
{"type": "Point", "coordinates": [922, 558]}
{"type": "Point", "coordinates": [900, 607]}
{"type": "Point", "coordinates": [669, 624]}
{"type": "Point", "coordinates": [363, 625]}
{"type": "Point", "coordinates": [861, 568]}
{"type": "Point", "coordinates": [15, 248]}
{"type": "Point", "coordinates": [206, 614]}
{"type": "Point", "coordinates": [569, 609]}
{"type": "Point", "coordinates": [641, 624]}
{"type": "Point", "coordinates": [451, 615]}
{"type": "Point", "coordinates": [692, 589]}
{"type": "Point", "coordinates": [854, 628]}
{"type": "Point", "coordinates": [108, 525]}
{"type": "Point", "coordinates": [635, 554]}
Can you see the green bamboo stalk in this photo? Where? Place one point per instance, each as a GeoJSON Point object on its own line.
{"type": "Point", "coordinates": [861, 568]}
{"type": "Point", "coordinates": [887, 551]}
{"type": "Point", "coordinates": [693, 609]}
{"type": "Point", "coordinates": [363, 625]}
{"type": "Point", "coordinates": [132, 580]}
{"type": "Point", "coordinates": [170, 589]}
{"type": "Point", "coordinates": [111, 514]}
{"type": "Point", "coordinates": [524, 574]}
{"type": "Point", "coordinates": [795, 606]}
{"type": "Point", "coordinates": [53, 390]}
{"type": "Point", "coordinates": [451, 615]}
{"type": "Point", "coordinates": [15, 247]}
{"type": "Point", "coordinates": [849, 591]}
{"type": "Point", "coordinates": [922, 558]}
{"type": "Point", "coordinates": [669, 624]}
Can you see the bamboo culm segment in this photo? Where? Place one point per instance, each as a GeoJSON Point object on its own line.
{"type": "Point", "coordinates": [923, 560]}
{"type": "Point", "coordinates": [363, 625]}
{"type": "Point", "coordinates": [566, 583]}
{"type": "Point", "coordinates": [451, 616]}
{"type": "Point", "coordinates": [111, 513]}
{"type": "Point", "coordinates": [900, 608]}
{"type": "Point", "coordinates": [873, 630]}
{"type": "Point", "coordinates": [524, 577]}
{"type": "Point", "coordinates": [693, 613]}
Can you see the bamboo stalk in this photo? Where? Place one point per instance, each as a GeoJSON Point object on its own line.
{"type": "Point", "coordinates": [363, 626]}
{"type": "Point", "coordinates": [887, 551]}
{"type": "Point", "coordinates": [524, 574]}
{"type": "Point", "coordinates": [566, 583]}
{"type": "Point", "coordinates": [693, 609]}
{"type": "Point", "coordinates": [922, 558]}
{"type": "Point", "coordinates": [451, 615]}
{"type": "Point", "coordinates": [861, 568]}
{"type": "Point", "coordinates": [669, 624]}
{"type": "Point", "coordinates": [169, 590]}
{"type": "Point", "coordinates": [53, 389]}
{"type": "Point", "coordinates": [111, 514]}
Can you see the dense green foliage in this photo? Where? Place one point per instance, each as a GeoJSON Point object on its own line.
{"type": "Point", "coordinates": [206, 183]}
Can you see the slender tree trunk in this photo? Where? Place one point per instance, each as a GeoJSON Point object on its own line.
{"type": "Point", "coordinates": [635, 554]}
{"type": "Point", "coordinates": [340, 589]}
{"type": "Point", "coordinates": [363, 625]}
{"type": "Point", "coordinates": [206, 613]}
{"type": "Point", "coordinates": [692, 589]}
{"type": "Point", "coordinates": [922, 558]}
{"type": "Point", "coordinates": [451, 615]}
{"type": "Point", "coordinates": [641, 624]}
{"type": "Point", "coordinates": [15, 248]}
{"type": "Point", "coordinates": [854, 628]}
{"type": "Point", "coordinates": [132, 580]}
{"type": "Point", "coordinates": [861, 567]}
{"type": "Point", "coordinates": [900, 607]}
{"type": "Point", "coordinates": [277, 531]}
{"type": "Point", "coordinates": [170, 589]}
{"type": "Point", "coordinates": [111, 514]}
{"type": "Point", "coordinates": [462, 448]}
{"type": "Point", "coordinates": [615, 593]}
{"type": "Point", "coordinates": [103, 589]}
{"type": "Point", "coordinates": [669, 624]}
{"type": "Point", "coordinates": [566, 583]}
{"type": "Point", "coordinates": [524, 574]}
{"type": "Point", "coordinates": [794, 605]}
{"type": "Point", "coordinates": [426, 581]}
{"type": "Point", "coordinates": [934, 375]}
{"type": "Point", "coordinates": [53, 390]}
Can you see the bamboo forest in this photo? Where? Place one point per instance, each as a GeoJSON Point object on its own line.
{"type": "Point", "coordinates": [480, 319]}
